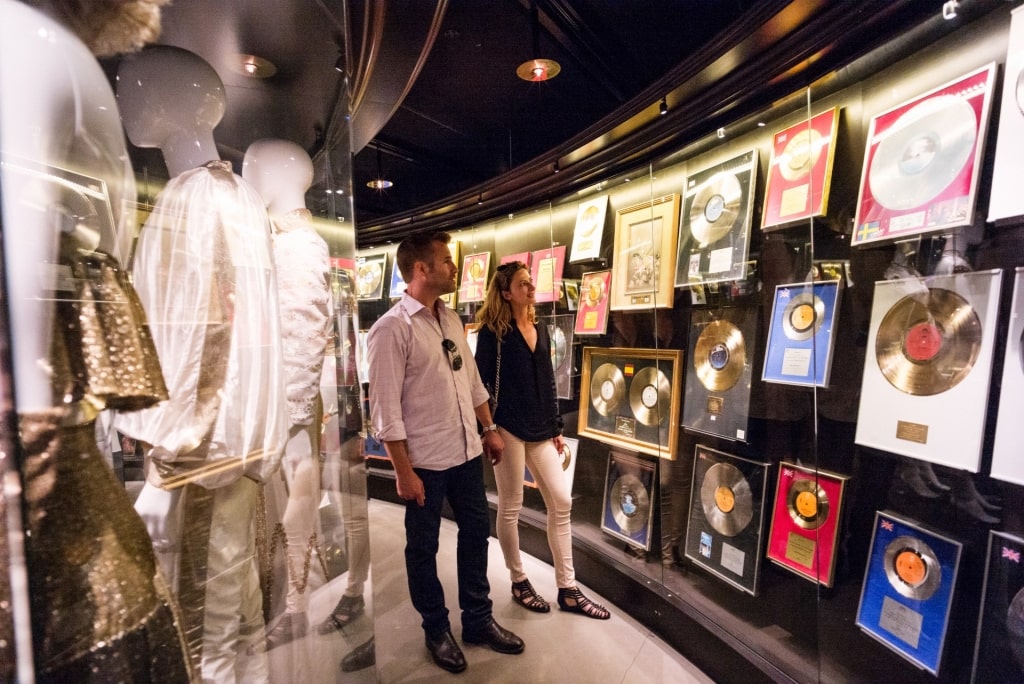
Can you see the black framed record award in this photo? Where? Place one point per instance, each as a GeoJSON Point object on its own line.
{"type": "Point", "coordinates": [908, 589]}
{"type": "Point", "coordinates": [714, 230]}
{"type": "Point", "coordinates": [999, 648]}
{"type": "Point", "coordinates": [926, 373]}
{"type": "Point", "coordinates": [717, 400]}
{"type": "Point", "coordinates": [630, 398]}
{"type": "Point", "coordinates": [727, 502]}
{"type": "Point", "coordinates": [629, 498]}
{"type": "Point", "coordinates": [370, 276]}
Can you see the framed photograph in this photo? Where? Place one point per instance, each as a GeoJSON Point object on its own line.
{"type": "Point", "coordinates": [629, 498]}
{"type": "Point", "coordinates": [370, 276]}
{"type": "Point", "coordinates": [629, 398]}
{"type": "Point", "coordinates": [475, 268]}
{"type": "Point", "coordinates": [805, 522]}
{"type": "Point", "coordinates": [568, 458]}
{"type": "Point", "coordinates": [586, 238]}
{"type": "Point", "coordinates": [923, 161]}
{"type": "Point", "coordinates": [908, 589]}
{"type": "Point", "coordinates": [800, 339]}
{"type": "Point", "coordinates": [592, 313]}
{"type": "Point", "coordinates": [572, 293]}
{"type": "Point", "coordinates": [800, 171]}
{"type": "Point", "coordinates": [519, 256]}
{"type": "Point", "coordinates": [547, 273]}
{"type": "Point", "coordinates": [999, 648]}
{"type": "Point", "coordinates": [727, 502]}
{"type": "Point", "coordinates": [645, 242]}
{"type": "Point", "coordinates": [714, 233]}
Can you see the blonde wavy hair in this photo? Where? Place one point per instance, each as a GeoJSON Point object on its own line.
{"type": "Point", "coordinates": [496, 312]}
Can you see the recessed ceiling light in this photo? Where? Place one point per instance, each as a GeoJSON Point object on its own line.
{"type": "Point", "coordinates": [254, 66]}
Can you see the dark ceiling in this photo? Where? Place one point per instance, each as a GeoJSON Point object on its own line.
{"type": "Point", "coordinates": [439, 110]}
{"type": "Point", "coordinates": [466, 117]}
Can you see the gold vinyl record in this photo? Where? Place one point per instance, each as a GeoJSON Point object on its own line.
{"type": "Point", "coordinates": [715, 208]}
{"type": "Point", "coordinates": [607, 388]}
{"type": "Point", "coordinates": [927, 343]}
{"type": "Point", "coordinates": [593, 291]}
{"type": "Point", "coordinates": [922, 152]}
{"type": "Point", "coordinates": [726, 499]}
{"type": "Point", "coordinates": [649, 396]}
{"type": "Point", "coordinates": [807, 503]}
{"type": "Point", "coordinates": [558, 346]}
{"type": "Point", "coordinates": [629, 502]}
{"type": "Point", "coordinates": [912, 568]}
{"type": "Point", "coordinates": [719, 356]}
{"type": "Point", "coordinates": [803, 316]}
{"type": "Point", "coordinates": [565, 456]}
{"type": "Point", "coordinates": [800, 154]}
{"type": "Point", "coordinates": [368, 278]}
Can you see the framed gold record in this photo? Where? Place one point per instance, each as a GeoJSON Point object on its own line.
{"type": "Point", "coordinates": [629, 398]}
{"type": "Point", "coordinates": [724, 533]}
{"type": "Point", "coordinates": [719, 355]}
{"type": "Point", "coordinates": [369, 280]}
{"type": "Point", "coordinates": [799, 175]}
{"type": "Point", "coordinates": [927, 371]}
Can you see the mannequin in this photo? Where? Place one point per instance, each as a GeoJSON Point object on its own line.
{"type": "Point", "coordinates": [281, 172]}
{"type": "Point", "coordinates": [205, 276]}
{"type": "Point", "coordinates": [100, 610]}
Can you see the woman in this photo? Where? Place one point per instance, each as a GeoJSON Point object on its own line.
{"type": "Point", "coordinates": [522, 380]}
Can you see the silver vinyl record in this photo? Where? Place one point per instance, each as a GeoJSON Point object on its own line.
{"type": "Point", "coordinates": [803, 316]}
{"type": "Point", "coordinates": [649, 396]}
{"type": "Point", "coordinates": [726, 499]}
{"type": "Point", "coordinates": [607, 388]}
{"type": "Point", "coordinates": [1015, 626]}
{"type": "Point", "coordinates": [558, 346]}
{"type": "Point", "coordinates": [912, 568]}
{"type": "Point", "coordinates": [715, 208]}
{"type": "Point", "coordinates": [922, 152]}
{"type": "Point", "coordinates": [630, 502]}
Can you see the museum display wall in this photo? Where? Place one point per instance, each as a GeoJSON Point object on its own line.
{"type": "Point", "coordinates": [788, 359]}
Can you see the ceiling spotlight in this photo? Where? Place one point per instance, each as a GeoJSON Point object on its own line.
{"type": "Point", "coordinates": [949, 9]}
{"type": "Point", "coordinates": [339, 64]}
{"type": "Point", "coordinates": [557, 169]}
{"type": "Point", "coordinates": [379, 183]}
{"type": "Point", "coordinates": [480, 198]}
{"type": "Point", "coordinates": [663, 107]}
{"type": "Point", "coordinates": [537, 69]}
{"type": "Point", "coordinates": [254, 66]}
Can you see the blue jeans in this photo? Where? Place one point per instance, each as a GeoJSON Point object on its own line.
{"type": "Point", "coordinates": [463, 486]}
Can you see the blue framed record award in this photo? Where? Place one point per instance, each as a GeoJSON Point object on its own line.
{"type": "Point", "coordinates": [800, 339]}
{"type": "Point", "coordinates": [908, 589]}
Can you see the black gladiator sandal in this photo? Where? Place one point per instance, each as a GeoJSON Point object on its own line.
{"type": "Point", "coordinates": [524, 594]}
{"type": "Point", "coordinates": [573, 601]}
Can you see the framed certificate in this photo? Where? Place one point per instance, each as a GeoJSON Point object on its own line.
{"type": "Point", "coordinates": [547, 273]}
{"type": "Point", "coordinates": [645, 242]}
{"type": "Point", "coordinates": [586, 238]}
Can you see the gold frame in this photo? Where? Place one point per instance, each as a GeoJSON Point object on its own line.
{"type": "Point", "coordinates": [626, 431]}
{"type": "Point", "coordinates": [626, 293]}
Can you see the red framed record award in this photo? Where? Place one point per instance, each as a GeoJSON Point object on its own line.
{"type": "Point", "coordinates": [547, 273]}
{"type": "Point", "coordinates": [800, 171]}
{"type": "Point", "coordinates": [805, 522]}
{"type": "Point", "coordinates": [923, 161]}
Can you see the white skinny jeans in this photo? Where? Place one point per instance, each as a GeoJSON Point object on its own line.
{"type": "Point", "coordinates": [545, 464]}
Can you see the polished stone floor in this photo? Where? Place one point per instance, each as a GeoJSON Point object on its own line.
{"type": "Point", "coordinates": [560, 647]}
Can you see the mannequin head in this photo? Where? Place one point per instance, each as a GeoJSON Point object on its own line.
{"type": "Point", "coordinates": [280, 171]}
{"type": "Point", "coordinates": [171, 99]}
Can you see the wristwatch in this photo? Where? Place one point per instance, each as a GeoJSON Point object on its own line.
{"type": "Point", "coordinates": [493, 427]}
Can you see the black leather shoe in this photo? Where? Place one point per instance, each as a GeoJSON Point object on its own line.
{"type": "Point", "coordinates": [361, 657]}
{"type": "Point", "coordinates": [495, 636]}
{"type": "Point", "coordinates": [446, 653]}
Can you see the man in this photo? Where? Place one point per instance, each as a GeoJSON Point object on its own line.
{"type": "Point", "coordinates": [425, 400]}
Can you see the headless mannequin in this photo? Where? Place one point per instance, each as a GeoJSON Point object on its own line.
{"type": "Point", "coordinates": [281, 172]}
{"type": "Point", "coordinates": [205, 277]}
{"type": "Point", "coordinates": [115, 622]}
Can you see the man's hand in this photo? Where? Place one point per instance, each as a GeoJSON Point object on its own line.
{"type": "Point", "coordinates": [494, 446]}
{"type": "Point", "coordinates": [410, 487]}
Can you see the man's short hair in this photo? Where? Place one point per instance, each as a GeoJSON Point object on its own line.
{"type": "Point", "coordinates": [419, 247]}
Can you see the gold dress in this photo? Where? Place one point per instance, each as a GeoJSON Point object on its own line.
{"type": "Point", "coordinates": [100, 610]}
